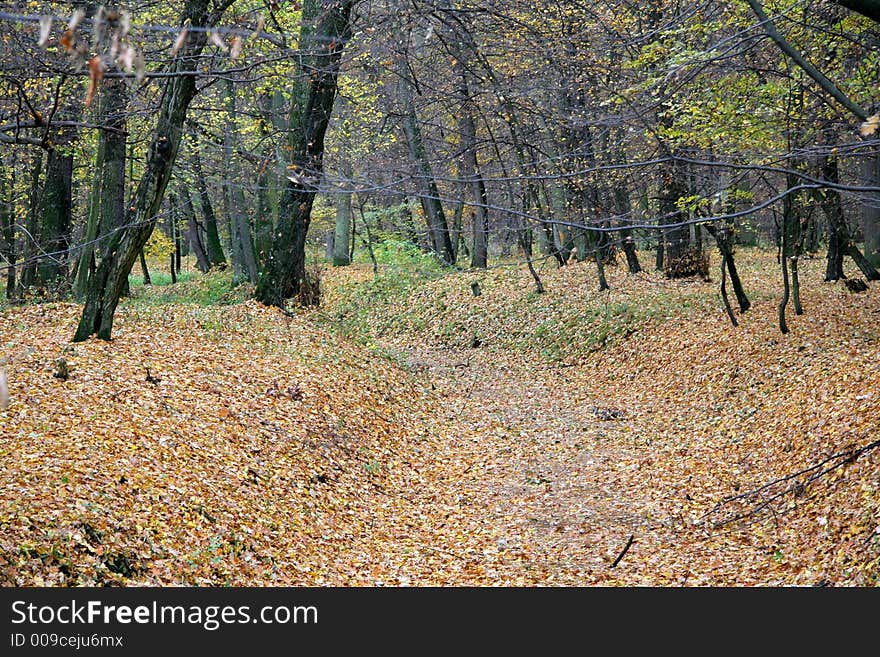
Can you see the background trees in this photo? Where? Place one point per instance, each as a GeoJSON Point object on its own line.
{"type": "Point", "coordinates": [477, 131]}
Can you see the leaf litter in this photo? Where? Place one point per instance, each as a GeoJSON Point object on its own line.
{"type": "Point", "coordinates": [231, 445]}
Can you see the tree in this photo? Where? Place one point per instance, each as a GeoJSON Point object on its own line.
{"type": "Point", "coordinates": [325, 29]}
{"type": "Point", "coordinates": [122, 247]}
{"type": "Point", "coordinates": [839, 240]}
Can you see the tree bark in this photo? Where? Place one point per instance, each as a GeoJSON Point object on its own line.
{"type": "Point", "coordinates": [463, 49]}
{"type": "Point", "coordinates": [840, 242]}
{"type": "Point", "coordinates": [107, 200]}
{"type": "Point", "coordinates": [145, 271]}
{"type": "Point", "coordinates": [192, 233]}
{"type": "Point", "coordinates": [213, 246]}
{"type": "Point", "coordinates": [325, 30]}
{"type": "Point", "coordinates": [7, 224]}
{"type": "Point", "coordinates": [724, 241]}
{"type": "Point", "coordinates": [791, 227]}
{"type": "Point", "coordinates": [122, 248]}
{"type": "Point", "coordinates": [342, 229]}
{"type": "Point", "coordinates": [429, 196]}
{"type": "Point", "coordinates": [57, 208]}
{"type": "Point", "coordinates": [675, 241]}
{"type": "Point", "coordinates": [871, 209]}
{"type": "Point", "coordinates": [241, 236]}
{"type": "Point", "coordinates": [29, 268]}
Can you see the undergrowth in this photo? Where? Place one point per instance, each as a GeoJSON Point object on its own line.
{"type": "Point", "coordinates": [571, 320]}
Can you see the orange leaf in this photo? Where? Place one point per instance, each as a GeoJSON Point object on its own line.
{"type": "Point", "coordinates": [96, 74]}
{"type": "Point", "coordinates": [67, 40]}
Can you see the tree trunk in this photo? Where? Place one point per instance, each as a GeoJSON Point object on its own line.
{"type": "Point", "coordinates": [7, 224]}
{"type": "Point", "coordinates": [274, 116]}
{"type": "Point", "coordinates": [324, 31]}
{"type": "Point", "coordinates": [29, 268]}
{"type": "Point", "coordinates": [213, 246]}
{"type": "Point", "coordinates": [264, 222]}
{"type": "Point", "coordinates": [243, 243]}
{"type": "Point", "coordinates": [791, 227]}
{"type": "Point", "coordinates": [121, 249]}
{"type": "Point", "coordinates": [172, 234]}
{"type": "Point", "coordinates": [840, 243]}
{"type": "Point", "coordinates": [107, 198]}
{"type": "Point", "coordinates": [786, 289]}
{"type": "Point", "coordinates": [145, 272]}
{"type": "Point", "coordinates": [724, 241]}
{"type": "Point", "coordinates": [676, 241]}
{"type": "Point", "coordinates": [871, 208]}
{"type": "Point", "coordinates": [429, 196]}
{"type": "Point", "coordinates": [86, 261]}
{"type": "Point", "coordinates": [623, 207]}
{"type": "Point", "coordinates": [192, 233]}
{"type": "Point", "coordinates": [57, 207]}
{"type": "Point", "coordinates": [470, 167]}
{"type": "Point", "coordinates": [342, 230]}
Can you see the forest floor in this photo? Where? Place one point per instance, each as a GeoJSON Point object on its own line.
{"type": "Point", "coordinates": [410, 433]}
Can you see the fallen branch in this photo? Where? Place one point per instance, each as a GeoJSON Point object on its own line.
{"type": "Point", "coordinates": [797, 487]}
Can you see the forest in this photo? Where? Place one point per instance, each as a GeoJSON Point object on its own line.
{"type": "Point", "coordinates": [440, 293]}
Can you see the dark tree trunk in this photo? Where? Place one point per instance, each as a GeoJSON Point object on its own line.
{"type": "Point", "coordinates": [265, 219]}
{"type": "Point", "coordinates": [325, 30]}
{"type": "Point", "coordinates": [623, 207]}
{"type": "Point", "coordinates": [525, 242]}
{"type": "Point", "coordinates": [871, 208]}
{"type": "Point", "coordinates": [273, 113]}
{"type": "Point", "coordinates": [172, 235]}
{"type": "Point", "coordinates": [429, 195]}
{"type": "Point", "coordinates": [29, 268]}
{"type": "Point", "coordinates": [470, 167]}
{"type": "Point", "coordinates": [213, 246]}
{"type": "Point", "coordinates": [57, 198]}
{"type": "Point", "coordinates": [840, 242]}
{"type": "Point", "coordinates": [621, 202]}
{"type": "Point", "coordinates": [145, 272]}
{"type": "Point", "coordinates": [722, 235]}
{"type": "Point", "coordinates": [675, 241]}
{"type": "Point", "coordinates": [791, 226]}
{"type": "Point", "coordinates": [786, 288]}
{"type": "Point", "coordinates": [122, 248]}
{"type": "Point", "coordinates": [107, 202]}
{"type": "Point", "coordinates": [57, 206]}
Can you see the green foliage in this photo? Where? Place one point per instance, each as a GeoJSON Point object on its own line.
{"type": "Point", "coordinates": [403, 258]}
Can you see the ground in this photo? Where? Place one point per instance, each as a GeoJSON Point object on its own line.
{"type": "Point", "coordinates": [409, 433]}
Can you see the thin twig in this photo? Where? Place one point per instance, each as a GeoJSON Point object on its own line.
{"type": "Point", "coordinates": [624, 550]}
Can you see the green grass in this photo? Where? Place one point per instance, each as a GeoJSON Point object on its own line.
{"type": "Point", "coordinates": [161, 278]}
{"type": "Point", "coordinates": [193, 288]}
